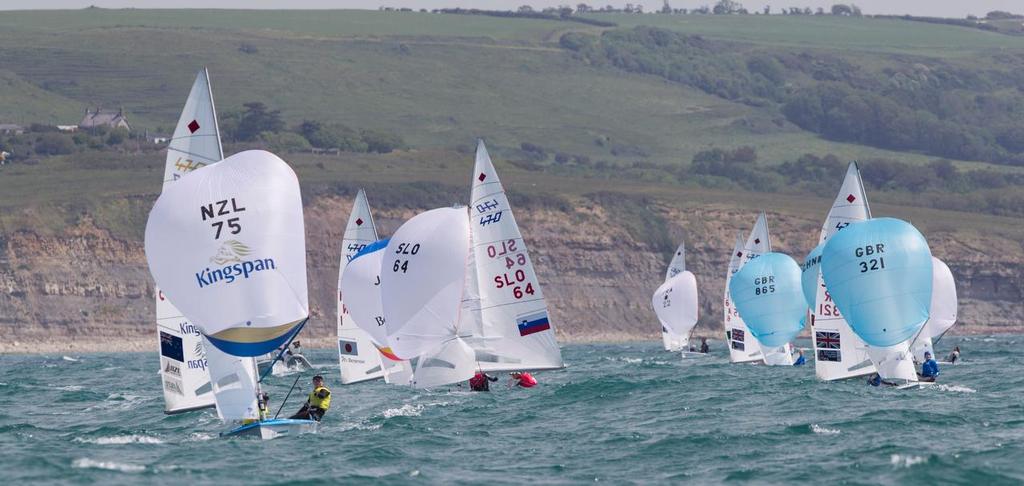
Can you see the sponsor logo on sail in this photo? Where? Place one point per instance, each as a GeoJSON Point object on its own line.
{"type": "Point", "coordinates": [173, 386]}
{"type": "Point", "coordinates": [172, 369]}
{"type": "Point", "coordinates": [234, 261]}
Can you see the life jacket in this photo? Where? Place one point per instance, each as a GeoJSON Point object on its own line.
{"type": "Point", "coordinates": [315, 401]}
{"type": "Point", "coordinates": [527, 380]}
{"type": "Point", "coordinates": [478, 382]}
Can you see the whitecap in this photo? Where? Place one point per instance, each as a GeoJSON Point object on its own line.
{"type": "Point", "coordinates": [817, 429]}
{"type": "Point", "coordinates": [69, 358]}
{"type": "Point", "coordinates": [632, 360]}
{"type": "Point", "coordinates": [199, 437]}
{"type": "Point", "coordinates": [70, 388]}
{"type": "Point", "coordinates": [407, 410]}
{"type": "Point", "coordinates": [86, 463]}
{"type": "Point", "coordinates": [121, 439]}
{"type": "Point", "coordinates": [899, 460]}
{"type": "Point", "coordinates": [955, 388]}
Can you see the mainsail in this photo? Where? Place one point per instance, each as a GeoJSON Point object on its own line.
{"type": "Point", "coordinates": [768, 295]}
{"type": "Point", "coordinates": [675, 303]}
{"type": "Point", "coordinates": [515, 330]}
{"type": "Point", "coordinates": [838, 352]}
{"type": "Point", "coordinates": [879, 272]}
{"type": "Point", "coordinates": [183, 370]}
{"type": "Point", "coordinates": [358, 358]}
{"type": "Point", "coordinates": [942, 315]}
{"type": "Point", "coordinates": [671, 340]}
{"type": "Point", "coordinates": [422, 280]}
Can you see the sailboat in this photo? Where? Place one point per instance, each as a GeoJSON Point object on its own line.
{"type": "Point", "coordinates": [675, 303]}
{"type": "Point", "coordinates": [743, 346]}
{"type": "Point", "coordinates": [670, 340]}
{"type": "Point", "coordinates": [838, 352]}
{"type": "Point", "coordinates": [360, 358]}
{"type": "Point", "coordinates": [241, 278]}
{"type": "Point", "coordinates": [183, 361]}
{"type": "Point", "coordinates": [942, 315]}
{"type": "Point", "coordinates": [422, 284]}
{"type": "Point", "coordinates": [767, 294]}
{"type": "Point", "coordinates": [879, 273]}
{"type": "Point", "coordinates": [510, 324]}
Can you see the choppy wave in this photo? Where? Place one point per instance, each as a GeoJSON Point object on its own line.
{"type": "Point", "coordinates": [955, 388]}
{"type": "Point", "coordinates": [121, 439]}
{"type": "Point", "coordinates": [817, 429]}
{"type": "Point", "coordinates": [86, 463]}
{"type": "Point", "coordinates": [901, 460]}
{"type": "Point", "coordinates": [407, 410]}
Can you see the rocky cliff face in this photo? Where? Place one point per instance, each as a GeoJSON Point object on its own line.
{"type": "Point", "coordinates": [84, 289]}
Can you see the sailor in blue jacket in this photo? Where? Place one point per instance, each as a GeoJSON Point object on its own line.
{"type": "Point", "coordinates": [930, 369]}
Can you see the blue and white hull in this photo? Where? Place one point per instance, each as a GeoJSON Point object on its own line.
{"type": "Point", "coordinates": [273, 428]}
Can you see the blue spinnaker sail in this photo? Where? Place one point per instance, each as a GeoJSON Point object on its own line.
{"type": "Point", "coordinates": [879, 273]}
{"type": "Point", "coordinates": [768, 295]}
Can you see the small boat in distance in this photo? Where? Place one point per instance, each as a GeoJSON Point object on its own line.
{"type": "Point", "coordinates": [675, 303]}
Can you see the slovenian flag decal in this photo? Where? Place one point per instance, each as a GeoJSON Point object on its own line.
{"type": "Point", "coordinates": [532, 323]}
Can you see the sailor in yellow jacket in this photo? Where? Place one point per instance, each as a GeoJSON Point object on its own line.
{"type": "Point", "coordinates": [318, 402]}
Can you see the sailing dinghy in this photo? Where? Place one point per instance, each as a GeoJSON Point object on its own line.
{"type": "Point", "coordinates": [768, 295]}
{"type": "Point", "coordinates": [838, 352]}
{"type": "Point", "coordinates": [942, 315]}
{"type": "Point", "coordinates": [675, 304]}
{"type": "Point", "coordinates": [879, 273]}
{"type": "Point", "coordinates": [183, 370]}
{"type": "Point", "coordinates": [242, 282]}
{"type": "Point", "coordinates": [503, 307]}
{"type": "Point", "coordinates": [743, 346]}
{"type": "Point", "coordinates": [360, 357]}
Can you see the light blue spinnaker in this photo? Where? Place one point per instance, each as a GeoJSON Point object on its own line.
{"type": "Point", "coordinates": [879, 273]}
{"type": "Point", "coordinates": [768, 295]}
{"type": "Point", "coordinates": [809, 275]}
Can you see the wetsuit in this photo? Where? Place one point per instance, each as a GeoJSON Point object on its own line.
{"type": "Point", "coordinates": [704, 347]}
{"type": "Point", "coordinates": [800, 361]}
{"type": "Point", "coordinates": [481, 382]}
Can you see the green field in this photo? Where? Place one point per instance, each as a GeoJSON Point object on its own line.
{"type": "Point", "coordinates": [439, 81]}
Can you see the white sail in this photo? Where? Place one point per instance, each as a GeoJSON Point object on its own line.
{"type": "Point", "coordinates": [358, 358]}
{"type": "Point", "coordinates": [942, 315]}
{"type": "Point", "coordinates": [838, 352]}
{"type": "Point", "coordinates": [183, 370]}
{"type": "Point", "coordinates": [235, 384]}
{"type": "Point", "coordinates": [675, 303]}
{"type": "Point", "coordinates": [515, 328]}
{"type": "Point", "coordinates": [196, 139]}
{"type": "Point", "coordinates": [743, 346]}
{"type": "Point", "coordinates": [452, 362]}
{"type": "Point", "coordinates": [227, 243]}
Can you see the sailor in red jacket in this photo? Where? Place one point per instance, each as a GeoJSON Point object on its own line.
{"type": "Point", "coordinates": [481, 381]}
{"type": "Point", "coordinates": [523, 379]}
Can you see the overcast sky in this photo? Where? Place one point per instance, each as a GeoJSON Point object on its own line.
{"type": "Point", "coordinates": [938, 8]}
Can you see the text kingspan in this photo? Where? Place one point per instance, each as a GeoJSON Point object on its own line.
{"type": "Point", "coordinates": [230, 272]}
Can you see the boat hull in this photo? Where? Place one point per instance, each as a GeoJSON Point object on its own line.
{"type": "Point", "coordinates": [273, 428]}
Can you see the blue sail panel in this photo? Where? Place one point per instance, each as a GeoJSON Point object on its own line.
{"type": "Point", "coordinates": [768, 295]}
{"type": "Point", "coordinates": [809, 272]}
{"type": "Point", "coordinates": [879, 273]}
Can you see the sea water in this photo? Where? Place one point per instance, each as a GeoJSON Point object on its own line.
{"type": "Point", "coordinates": [617, 413]}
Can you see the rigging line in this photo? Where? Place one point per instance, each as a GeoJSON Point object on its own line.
{"type": "Point", "coordinates": [283, 349]}
{"type": "Point", "coordinates": [288, 395]}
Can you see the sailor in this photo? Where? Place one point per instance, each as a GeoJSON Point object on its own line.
{"type": "Point", "coordinates": [954, 356]}
{"type": "Point", "coordinates": [481, 381]}
{"type": "Point", "coordinates": [264, 404]}
{"type": "Point", "coordinates": [522, 379]}
{"type": "Point", "coordinates": [930, 369]}
{"type": "Point", "coordinates": [875, 379]}
{"type": "Point", "coordinates": [704, 345]}
{"type": "Point", "coordinates": [318, 402]}
{"type": "Point", "coordinates": [800, 360]}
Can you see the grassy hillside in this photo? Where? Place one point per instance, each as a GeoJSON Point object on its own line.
{"type": "Point", "coordinates": [438, 80]}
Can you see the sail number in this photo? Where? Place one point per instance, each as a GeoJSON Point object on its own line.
{"type": "Point", "coordinates": [504, 248]}
{"type": "Point", "coordinates": [876, 263]}
{"type": "Point", "coordinates": [226, 207]}
{"type": "Point", "coordinates": [764, 285]}
{"type": "Point", "coordinates": [515, 281]}
{"type": "Point", "coordinates": [404, 249]}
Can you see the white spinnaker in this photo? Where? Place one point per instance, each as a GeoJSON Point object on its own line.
{"type": "Point", "coordinates": [942, 315]}
{"type": "Point", "coordinates": [227, 242]}
{"type": "Point", "coordinates": [838, 352]}
{"type": "Point", "coordinates": [675, 303]}
{"type": "Point", "coordinates": [423, 273]}
{"type": "Point", "coordinates": [358, 358]}
{"type": "Point", "coordinates": [515, 328]}
{"type": "Point", "coordinates": [183, 368]}
{"type": "Point", "coordinates": [670, 340]}
{"type": "Point", "coordinates": [452, 362]}
{"type": "Point", "coordinates": [234, 382]}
